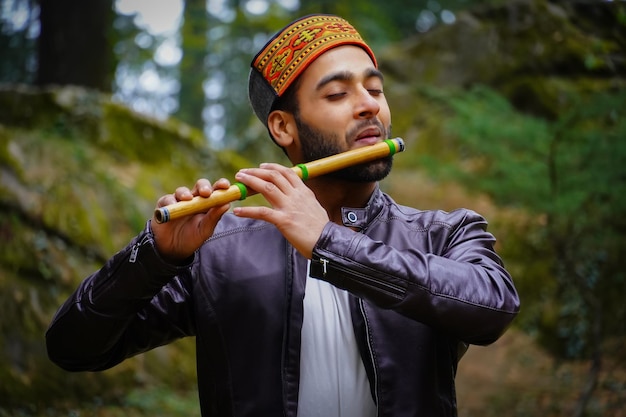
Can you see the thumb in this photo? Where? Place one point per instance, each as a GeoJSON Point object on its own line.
{"type": "Point", "coordinates": [209, 221]}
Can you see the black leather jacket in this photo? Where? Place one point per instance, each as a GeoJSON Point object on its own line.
{"type": "Point", "coordinates": [425, 284]}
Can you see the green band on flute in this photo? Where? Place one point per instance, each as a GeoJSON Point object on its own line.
{"type": "Point", "coordinates": [392, 146]}
{"type": "Point", "coordinates": [305, 171]}
{"type": "Point", "coordinates": [242, 190]}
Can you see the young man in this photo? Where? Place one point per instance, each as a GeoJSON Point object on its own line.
{"type": "Point", "coordinates": [332, 301]}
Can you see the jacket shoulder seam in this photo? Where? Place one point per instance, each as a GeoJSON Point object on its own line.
{"type": "Point", "coordinates": [237, 230]}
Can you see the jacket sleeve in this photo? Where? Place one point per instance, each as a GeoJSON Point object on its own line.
{"type": "Point", "coordinates": [134, 303]}
{"type": "Point", "coordinates": [458, 284]}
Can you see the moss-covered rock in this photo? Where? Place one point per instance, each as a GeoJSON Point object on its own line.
{"type": "Point", "coordinates": [80, 175]}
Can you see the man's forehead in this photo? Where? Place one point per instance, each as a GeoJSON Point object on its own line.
{"type": "Point", "coordinates": [344, 63]}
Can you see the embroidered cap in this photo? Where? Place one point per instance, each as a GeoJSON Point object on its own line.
{"type": "Point", "coordinates": [291, 51]}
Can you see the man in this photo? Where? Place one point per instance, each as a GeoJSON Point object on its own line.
{"type": "Point", "coordinates": [331, 301]}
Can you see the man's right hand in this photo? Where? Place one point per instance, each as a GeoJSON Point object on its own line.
{"type": "Point", "coordinates": [178, 239]}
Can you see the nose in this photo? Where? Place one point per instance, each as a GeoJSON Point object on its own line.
{"type": "Point", "coordinates": [367, 105]}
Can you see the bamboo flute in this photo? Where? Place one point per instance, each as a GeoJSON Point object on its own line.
{"type": "Point", "coordinates": [239, 191]}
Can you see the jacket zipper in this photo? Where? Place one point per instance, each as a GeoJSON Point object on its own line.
{"type": "Point", "coordinates": [135, 249]}
{"type": "Point", "coordinates": [391, 289]}
{"type": "Point", "coordinates": [370, 350]}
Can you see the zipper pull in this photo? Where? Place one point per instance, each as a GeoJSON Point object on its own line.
{"type": "Point", "coordinates": [319, 267]}
{"type": "Point", "coordinates": [324, 262]}
{"type": "Point", "coordinates": [135, 250]}
{"type": "Point", "coordinates": [133, 253]}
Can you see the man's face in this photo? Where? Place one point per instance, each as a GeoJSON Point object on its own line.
{"type": "Point", "coordinates": [315, 144]}
{"type": "Point", "coordinates": [342, 107]}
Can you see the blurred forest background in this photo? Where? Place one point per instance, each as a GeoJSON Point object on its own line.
{"type": "Point", "coordinates": [515, 109]}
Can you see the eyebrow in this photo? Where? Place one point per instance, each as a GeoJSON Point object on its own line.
{"type": "Point", "coordinates": [347, 76]}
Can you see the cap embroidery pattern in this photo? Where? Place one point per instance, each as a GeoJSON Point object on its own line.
{"type": "Point", "coordinates": [299, 44]}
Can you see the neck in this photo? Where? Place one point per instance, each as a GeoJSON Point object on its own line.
{"type": "Point", "coordinates": [334, 194]}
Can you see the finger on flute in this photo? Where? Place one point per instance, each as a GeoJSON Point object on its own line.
{"type": "Point", "coordinates": [311, 169]}
{"type": "Point", "coordinates": [197, 204]}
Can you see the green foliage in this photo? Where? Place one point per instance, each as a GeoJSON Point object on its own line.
{"type": "Point", "coordinates": [507, 150]}
{"type": "Point", "coordinates": [163, 402]}
{"type": "Point", "coordinates": [155, 401]}
{"type": "Point", "coordinates": [587, 227]}
{"type": "Point", "coordinates": [569, 172]}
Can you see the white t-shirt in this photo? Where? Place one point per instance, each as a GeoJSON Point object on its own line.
{"type": "Point", "coordinates": [333, 381]}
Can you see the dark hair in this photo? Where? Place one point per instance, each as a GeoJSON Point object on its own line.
{"type": "Point", "coordinates": [289, 101]}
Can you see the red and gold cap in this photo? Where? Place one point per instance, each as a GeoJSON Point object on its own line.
{"type": "Point", "coordinates": [291, 51]}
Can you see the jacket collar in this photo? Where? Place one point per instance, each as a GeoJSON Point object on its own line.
{"type": "Point", "coordinates": [361, 217]}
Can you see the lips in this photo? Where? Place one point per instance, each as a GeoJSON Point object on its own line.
{"type": "Point", "coordinates": [369, 136]}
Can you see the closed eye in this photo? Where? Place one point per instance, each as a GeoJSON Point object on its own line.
{"type": "Point", "coordinates": [335, 96]}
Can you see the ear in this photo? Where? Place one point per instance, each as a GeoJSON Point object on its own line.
{"type": "Point", "coordinates": [282, 127]}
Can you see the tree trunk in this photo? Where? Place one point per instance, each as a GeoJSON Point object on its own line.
{"type": "Point", "coordinates": [74, 47]}
{"type": "Point", "coordinates": [596, 360]}
{"type": "Point", "coordinates": [192, 69]}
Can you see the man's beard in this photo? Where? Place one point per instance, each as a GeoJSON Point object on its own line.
{"type": "Point", "coordinates": [316, 145]}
